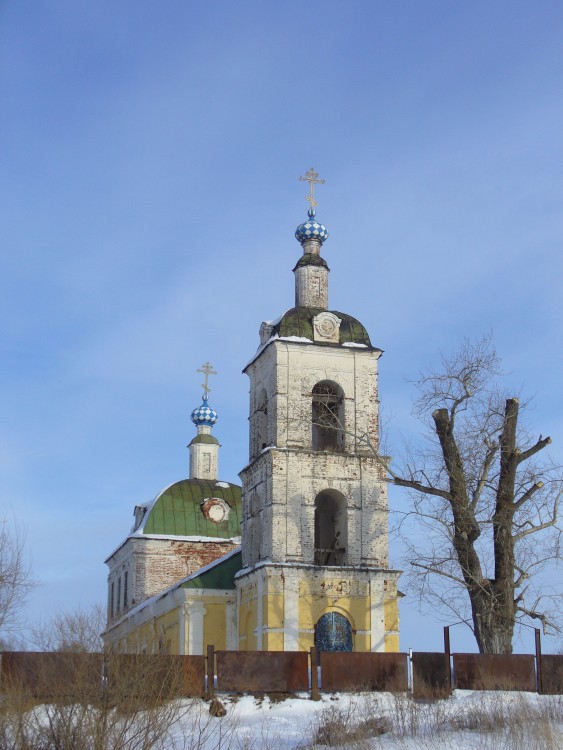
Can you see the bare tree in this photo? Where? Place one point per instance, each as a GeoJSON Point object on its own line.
{"type": "Point", "coordinates": [15, 577]}
{"type": "Point", "coordinates": [483, 522]}
{"type": "Point", "coordinates": [78, 631]}
{"type": "Point", "coordinates": [99, 700]}
{"type": "Point", "coordinates": [485, 500]}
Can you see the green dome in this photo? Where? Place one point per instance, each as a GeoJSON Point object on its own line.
{"type": "Point", "coordinates": [177, 511]}
{"type": "Point", "coordinates": [299, 322]}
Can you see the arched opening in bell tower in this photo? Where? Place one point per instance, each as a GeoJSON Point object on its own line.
{"type": "Point", "coordinates": [331, 528]}
{"type": "Point", "coordinates": [262, 420]}
{"type": "Point", "coordinates": [328, 417]}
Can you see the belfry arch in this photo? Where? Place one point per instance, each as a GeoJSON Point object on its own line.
{"type": "Point", "coordinates": [327, 417]}
{"type": "Point", "coordinates": [262, 420]}
{"type": "Point", "coordinates": [331, 528]}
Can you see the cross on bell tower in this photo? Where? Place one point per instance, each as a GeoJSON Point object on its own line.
{"type": "Point", "coordinates": [311, 177]}
{"type": "Point", "coordinates": [207, 370]}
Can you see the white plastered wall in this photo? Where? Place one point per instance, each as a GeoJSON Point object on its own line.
{"type": "Point", "coordinates": [281, 483]}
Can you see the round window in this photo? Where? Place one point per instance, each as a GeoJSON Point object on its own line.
{"type": "Point", "coordinates": [216, 509]}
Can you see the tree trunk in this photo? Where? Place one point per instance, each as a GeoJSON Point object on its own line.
{"type": "Point", "coordinates": [493, 624]}
{"type": "Point", "coordinates": [492, 602]}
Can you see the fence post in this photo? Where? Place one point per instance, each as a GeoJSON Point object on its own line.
{"type": "Point", "coordinates": [539, 685]}
{"type": "Point", "coordinates": [210, 671]}
{"type": "Point", "coordinates": [448, 654]}
{"type": "Point", "coordinates": [314, 675]}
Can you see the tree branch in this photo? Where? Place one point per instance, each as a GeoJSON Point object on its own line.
{"type": "Point", "coordinates": [527, 495]}
{"type": "Point", "coordinates": [413, 485]}
{"type": "Point", "coordinates": [438, 571]}
{"type": "Point", "coordinates": [525, 455]}
{"type": "Point", "coordinates": [484, 475]}
{"type": "Point", "coordinates": [535, 529]}
{"type": "Point", "coordinates": [542, 617]}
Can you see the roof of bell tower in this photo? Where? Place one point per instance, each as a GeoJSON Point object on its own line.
{"type": "Point", "coordinates": [299, 322]}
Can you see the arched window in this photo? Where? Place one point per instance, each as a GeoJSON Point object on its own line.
{"type": "Point", "coordinates": [262, 420]}
{"type": "Point", "coordinates": [331, 528]}
{"type": "Point", "coordinates": [333, 632]}
{"type": "Point", "coordinates": [328, 417]}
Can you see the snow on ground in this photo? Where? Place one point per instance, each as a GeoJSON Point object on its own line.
{"type": "Point", "coordinates": [468, 720]}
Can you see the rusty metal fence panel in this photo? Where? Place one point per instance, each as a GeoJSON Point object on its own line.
{"type": "Point", "coordinates": [155, 676]}
{"type": "Point", "coordinates": [431, 675]}
{"type": "Point", "coordinates": [345, 671]}
{"type": "Point", "coordinates": [494, 672]}
{"type": "Point", "coordinates": [51, 675]}
{"type": "Point", "coordinates": [82, 677]}
{"type": "Point", "coordinates": [262, 671]}
{"type": "Point", "coordinates": [552, 674]}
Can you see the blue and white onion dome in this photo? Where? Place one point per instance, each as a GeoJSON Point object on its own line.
{"type": "Point", "coordinates": [311, 229]}
{"type": "Point", "coordinates": [204, 414]}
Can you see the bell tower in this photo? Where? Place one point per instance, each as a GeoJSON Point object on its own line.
{"type": "Point", "coordinates": [315, 519]}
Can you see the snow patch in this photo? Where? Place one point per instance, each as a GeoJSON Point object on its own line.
{"type": "Point", "coordinates": [354, 344]}
{"type": "Point", "coordinates": [296, 338]}
{"type": "Point", "coordinates": [177, 538]}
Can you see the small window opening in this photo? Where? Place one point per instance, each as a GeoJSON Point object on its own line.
{"type": "Point", "coordinates": [125, 581]}
{"type": "Point", "coordinates": [328, 417]}
{"type": "Point", "coordinates": [262, 420]}
{"type": "Point", "coordinates": [118, 595]}
{"type": "Point", "coordinates": [111, 595]}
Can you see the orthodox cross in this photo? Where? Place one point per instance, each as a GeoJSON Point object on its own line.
{"type": "Point", "coordinates": [207, 370]}
{"type": "Point", "coordinates": [311, 178]}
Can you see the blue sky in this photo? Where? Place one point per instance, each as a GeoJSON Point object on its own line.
{"type": "Point", "coordinates": [150, 156]}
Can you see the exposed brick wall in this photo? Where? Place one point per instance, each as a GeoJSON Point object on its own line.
{"type": "Point", "coordinates": [156, 564]}
{"type": "Point", "coordinates": [161, 563]}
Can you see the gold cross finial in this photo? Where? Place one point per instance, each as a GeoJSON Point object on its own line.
{"type": "Point", "coordinates": [207, 370]}
{"type": "Point", "coordinates": [311, 178]}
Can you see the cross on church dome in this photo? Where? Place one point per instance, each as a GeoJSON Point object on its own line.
{"type": "Point", "coordinates": [311, 178]}
{"type": "Point", "coordinates": [204, 414]}
{"type": "Point", "coordinates": [311, 229]}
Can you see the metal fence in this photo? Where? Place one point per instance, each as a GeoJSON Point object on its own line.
{"type": "Point", "coordinates": [60, 676]}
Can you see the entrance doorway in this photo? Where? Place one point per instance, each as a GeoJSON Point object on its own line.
{"type": "Point", "coordinates": [333, 632]}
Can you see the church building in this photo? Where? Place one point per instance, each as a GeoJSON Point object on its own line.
{"type": "Point", "coordinates": [297, 556]}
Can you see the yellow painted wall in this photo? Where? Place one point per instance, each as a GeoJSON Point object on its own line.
{"type": "Point", "coordinates": [272, 641]}
{"type": "Point", "coordinates": [391, 613]}
{"type": "Point", "coordinates": [272, 610]}
{"type": "Point", "coordinates": [311, 606]}
{"type": "Point", "coordinates": [248, 619]}
{"type": "Point", "coordinates": [214, 623]}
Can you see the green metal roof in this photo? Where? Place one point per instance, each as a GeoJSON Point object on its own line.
{"type": "Point", "coordinates": [299, 322]}
{"type": "Point", "coordinates": [220, 576]}
{"type": "Point", "coordinates": [177, 510]}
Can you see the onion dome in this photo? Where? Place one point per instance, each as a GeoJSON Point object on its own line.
{"type": "Point", "coordinates": [204, 414]}
{"type": "Point", "coordinates": [311, 229]}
